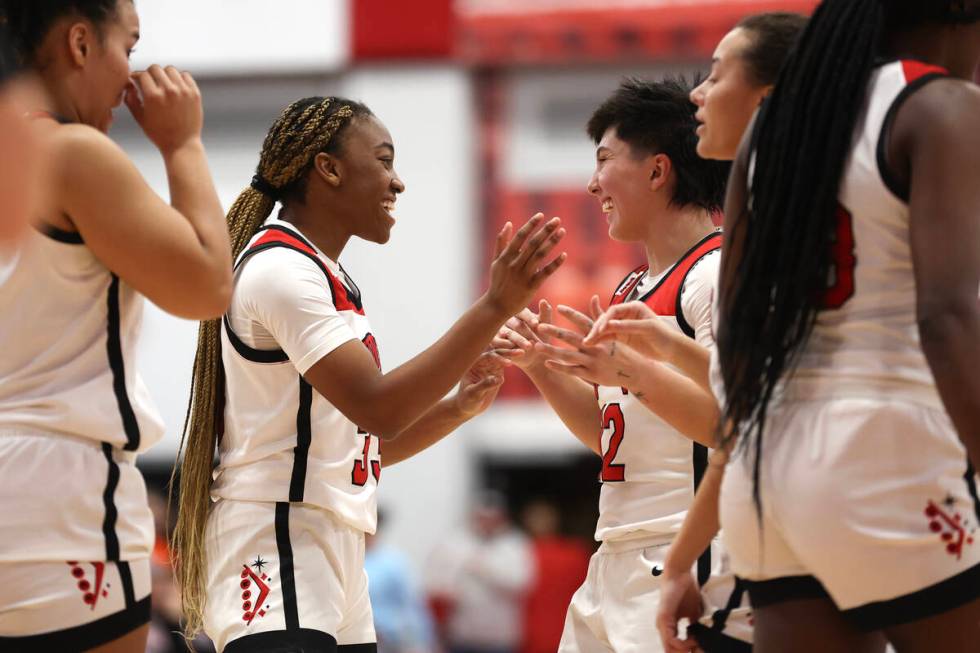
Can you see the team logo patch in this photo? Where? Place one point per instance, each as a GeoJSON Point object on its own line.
{"type": "Point", "coordinates": [953, 529]}
{"type": "Point", "coordinates": [254, 584]}
{"type": "Point", "coordinates": [91, 589]}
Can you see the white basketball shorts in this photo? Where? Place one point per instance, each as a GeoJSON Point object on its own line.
{"type": "Point", "coordinates": [868, 501]}
{"type": "Point", "coordinates": [282, 574]}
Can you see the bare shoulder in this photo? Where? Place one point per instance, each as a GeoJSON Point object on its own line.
{"type": "Point", "coordinates": [944, 106]}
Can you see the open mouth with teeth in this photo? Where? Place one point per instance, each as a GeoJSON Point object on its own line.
{"type": "Point", "coordinates": [388, 206]}
{"type": "Point", "coordinates": [607, 206]}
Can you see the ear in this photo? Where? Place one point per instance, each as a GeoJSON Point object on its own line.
{"type": "Point", "coordinates": [764, 93]}
{"type": "Point", "coordinates": [660, 169]}
{"type": "Point", "coordinates": [80, 42]}
{"type": "Point", "coordinates": [328, 168]}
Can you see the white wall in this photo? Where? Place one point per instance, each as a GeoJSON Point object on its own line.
{"type": "Point", "coordinates": [244, 37]}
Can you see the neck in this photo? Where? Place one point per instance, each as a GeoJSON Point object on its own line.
{"type": "Point", "coordinates": [939, 45]}
{"type": "Point", "coordinates": [57, 100]}
{"type": "Point", "coordinates": [675, 233]}
{"type": "Point", "coordinates": [324, 229]}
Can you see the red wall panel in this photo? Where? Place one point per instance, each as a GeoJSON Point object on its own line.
{"type": "Point", "coordinates": [398, 29]}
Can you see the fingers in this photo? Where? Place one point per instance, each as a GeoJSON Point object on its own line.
{"type": "Point", "coordinates": [542, 275]}
{"type": "Point", "coordinates": [133, 101]}
{"type": "Point", "coordinates": [542, 242]}
{"type": "Point", "coordinates": [595, 307]}
{"type": "Point", "coordinates": [581, 321]}
{"type": "Point", "coordinates": [572, 338]}
{"type": "Point", "coordinates": [190, 83]}
{"type": "Point", "coordinates": [508, 355]}
{"type": "Point", "coordinates": [513, 248]}
{"type": "Point", "coordinates": [162, 79]}
{"type": "Point", "coordinates": [517, 339]}
{"type": "Point", "coordinates": [562, 354]}
{"type": "Point", "coordinates": [544, 312]}
{"type": "Point", "coordinates": [571, 370]}
{"type": "Point", "coordinates": [502, 239]}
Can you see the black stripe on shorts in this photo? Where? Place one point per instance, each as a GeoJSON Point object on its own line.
{"type": "Point", "coordinates": [109, 502]}
{"type": "Point", "coordinates": [287, 577]}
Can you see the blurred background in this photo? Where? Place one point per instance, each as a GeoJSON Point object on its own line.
{"type": "Point", "coordinates": [487, 102]}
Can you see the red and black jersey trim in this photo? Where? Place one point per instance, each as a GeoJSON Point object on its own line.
{"type": "Point", "coordinates": [917, 75]}
{"type": "Point", "coordinates": [343, 298]}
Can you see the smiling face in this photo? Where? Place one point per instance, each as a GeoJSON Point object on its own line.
{"type": "Point", "coordinates": [370, 185]}
{"type": "Point", "coordinates": [104, 66]}
{"type": "Point", "coordinates": [622, 184]}
{"type": "Point", "coordinates": [727, 99]}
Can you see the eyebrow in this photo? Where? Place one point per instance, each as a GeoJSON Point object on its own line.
{"type": "Point", "coordinates": [387, 145]}
{"type": "Point", "coordinates": [602, 148]}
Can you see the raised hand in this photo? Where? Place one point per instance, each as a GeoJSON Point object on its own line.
{"type": "Point", "coordinates": [516, 339]}
{"type": "Point", "coordinates": [635, 325]}
{"type": "Point", "coordinates": [518, 268]}
{"type": "Point", "coordinates": [609, 364]}
{"type": "Point", "coordinates": [167, 105]}
{"type": "Point", "coordinates": [679, 599]}
{"type": "Point", "coordinates": [480, 385]}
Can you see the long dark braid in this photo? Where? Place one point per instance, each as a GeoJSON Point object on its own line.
{"type": "Point", "coordinates": [772, 294]}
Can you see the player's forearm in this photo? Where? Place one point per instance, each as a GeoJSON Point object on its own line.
{"type": "Point", "coordinates": [678, 400]}
{"type": "Point", "coordinates": [692, 360]}
{"type": "Point", "coordinates": [701, 523]}
{"type": "Point", "coordinates": [193, 195]}
{"type": "Point", "coordinates": [406, 393]}
{"type": "Point", "coordinates": [951, 343]}
{"type": "Point", "coordinates": [573, 401]}
{"type": "Point", "coordinates": [441, 420]}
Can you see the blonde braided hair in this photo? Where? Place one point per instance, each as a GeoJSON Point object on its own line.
{"type": "Point", "coordinates": [303, 130]}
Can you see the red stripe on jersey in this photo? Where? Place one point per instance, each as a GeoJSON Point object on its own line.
{"type": "Point", "coordinates": [916, 69]}
{"type": "Point", "coordinates": [663, 299]}
{"type": "Point", "coordinates": [627, 285]}
{"type": "Point", "coordinates": [343, 301]}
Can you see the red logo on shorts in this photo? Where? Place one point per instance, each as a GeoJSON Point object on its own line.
{"type": "Point", "coordinates": [952, 528]}
{"type": "Point", "coordinates": [252, 609]}
{"type": "Point", "coordinates": [90, 593]}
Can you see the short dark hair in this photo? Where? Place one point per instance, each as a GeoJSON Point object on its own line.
{"type": "Point", "coordinates": [29, 21]}
{"type": "Point", "coordinates": [772, 35]}
{"type": "Point", "coordinates": [658, 118]}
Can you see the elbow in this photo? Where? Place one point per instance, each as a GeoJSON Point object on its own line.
{"type": "Point", "coordinates": [939, 322]}
{"type": "Point", "coordinates": [209, 296]}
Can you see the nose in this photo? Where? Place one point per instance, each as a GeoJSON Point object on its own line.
{"type": "Point", "coordinates": [593, 185]}
{"type": "Point", "coordinates": [397, 185]}
{"type": "Point", "coordinates": [697, 95]}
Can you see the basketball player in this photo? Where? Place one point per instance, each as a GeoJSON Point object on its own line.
{"type": "Point", "coordinates": [293, 397]}
{"type": "Point", "coordinates": [77, 533]}
{"type": "Point", "coordinates": [656, 192]}
{"type": "Point", "coordinates": [847, 360]}
{"type": "Point", "coordinates": [744, 69]}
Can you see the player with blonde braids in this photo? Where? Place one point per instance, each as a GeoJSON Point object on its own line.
{"type": "Point", "coordinates": [288, 390]}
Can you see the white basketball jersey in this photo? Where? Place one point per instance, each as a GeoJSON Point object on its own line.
{"type": "Point", "coordinates": [649, 469]}
{"type": "Point", "coordinates": [69, 329]}
{"type": "Point", "coordinates": [282, 440]}
{"type": "Point", "coordinates": [866, 341]}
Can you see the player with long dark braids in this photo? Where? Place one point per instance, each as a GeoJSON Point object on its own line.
{"type": "Point", "coordinates": [288, 389]}
{"type": "Point", "coordinates": [848, 298]}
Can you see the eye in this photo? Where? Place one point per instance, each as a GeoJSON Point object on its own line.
{"type": "Point", "coordinates": [387, 161]}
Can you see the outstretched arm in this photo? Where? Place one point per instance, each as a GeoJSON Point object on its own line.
{"type": "Point", "coordinates": [476, 392]}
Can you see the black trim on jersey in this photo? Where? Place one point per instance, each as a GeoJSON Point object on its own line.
{"type": "Point", "coordinates": [942, 597]}
{"type": "Point", "coordinates": [287, 578]}
{"type": "Point", "coordinates": [763, 593]}
{"type": "Point", "coordinates": [713, 641]}
{"type": "Point", "coordinates": [126, 577]}
{"type": "Point", "coordinates": [304, 437]}
{"type": "Point", "coordinates": [84, 637]}
{"type": "Point", "coordinates": [358, 648]}
{"type": "Point", "coordinates": [682, 322]}
{"type": "Point", "coordinates": [971, 486]}
{"type": "Point", "coordinates": [901, 191]}
{"type": "Point", "coordinates": [116, 364]}
{"type": "Point", "coordinates": [250, 353]}
{"type": "Point", "coordinates": [108, 500]}
{"type": "Point", "coordinates": [699, 459]}
{"type": "Point", "coordinates": [663, 279]}
{"type": "Point", "coordinates": [62, 236]}
{"type": "Point", "coordinates": [284, 641]}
